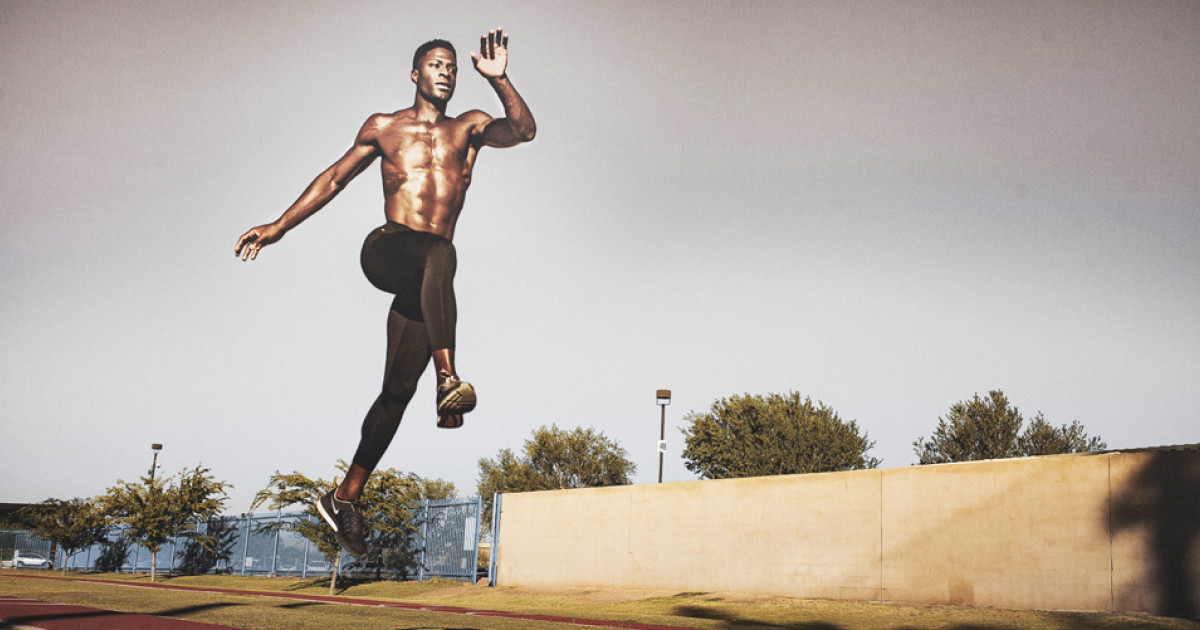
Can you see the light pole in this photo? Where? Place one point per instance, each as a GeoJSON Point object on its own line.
{"type": "Point", "coordinates": [663, 399]}
{"type": "Point", "coordinates": [154, 464]}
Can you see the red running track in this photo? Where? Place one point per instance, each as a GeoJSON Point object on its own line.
{"type": "Point", "coordinates": [109, 620]}
{"type": "Point", "coordinates": [33, 613]}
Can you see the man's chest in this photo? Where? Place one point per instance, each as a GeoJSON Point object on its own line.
{"type": "Point", "coordinates": [412, 145]}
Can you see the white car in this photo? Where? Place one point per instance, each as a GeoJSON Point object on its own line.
{"type": "Point", "coordinates": [29, 559]}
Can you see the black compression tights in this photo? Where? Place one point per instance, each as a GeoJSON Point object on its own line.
{"type": "Point", "coordinates": [418, 268]}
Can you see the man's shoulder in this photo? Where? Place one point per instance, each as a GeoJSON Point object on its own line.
{"type": "Point", "coordinates": [381, 124]}
{"type": "Point", "coordinates": [383, 119]}
{"type": "Point", "coordinates": [473, 116]}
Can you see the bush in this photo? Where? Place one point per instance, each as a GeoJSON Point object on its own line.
{"type": "Point", "coordinates": [204, 552]}
{"type": "Point", "coordinates": [113, 555]}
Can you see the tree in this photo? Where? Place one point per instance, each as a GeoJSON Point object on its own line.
{"type": "Point", "coordinates": [973, 430]}
{"type": "Point", "coordinates": [387, 503]}
{"type": "Point", "coordinates": [284, 491]}
{"type": "Point", "coordinates": [72, 525]}
{"type": "Point", "coordinates": [157, 509]}
{"type": "Point", "coordinates": [435, 489]}
{"type": "Point", "coordinates": [749, 436]}
{"type": "Point", "coordinates": [556, 459]}
{"type": "Point", "coordinates": [1042, 438]}
{"type": "Point", "coordinates": [990, 428]}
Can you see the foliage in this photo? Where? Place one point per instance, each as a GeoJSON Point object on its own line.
{"type": "Point", "coordinates": [387, 503]}
{"type": "Point", "coordinates": [749, 436]}
{"type": "Point", "coordinates": [113, 554]}
{"type": "Point", "coordinates": [207, 550]}
{"type": "Point", "coordinates": [980, 428]}
{"type": "Point", "coordinates": [157, 509]}
{"type": "Point", "coordinates": [72, 525]}
{"type": "Point", "coordinates": [990, 428]}
{"type": "Point", "coordinates": [555, 459]}
{"type": "Point", "coordinates": [1042, 438]}
{"type": "Point", "coordinates": [436, 489]}
{"type": "Point", "coordinates": [296, 489]}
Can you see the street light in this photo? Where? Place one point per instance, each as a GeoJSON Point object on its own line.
{"type": "Point", "coordinates": [154, 464]}
{"type": "Point", "coordinates": [663, 398]}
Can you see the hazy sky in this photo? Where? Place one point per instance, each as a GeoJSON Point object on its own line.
{"type": "Point", "coordinates": [886, 206]}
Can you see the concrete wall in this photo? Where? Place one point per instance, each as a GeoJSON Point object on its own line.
{"type": "Point", "coordinates": [1115, 531]}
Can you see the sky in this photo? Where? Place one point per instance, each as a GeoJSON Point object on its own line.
{"type": "Point", "coordinates": [886, 206]}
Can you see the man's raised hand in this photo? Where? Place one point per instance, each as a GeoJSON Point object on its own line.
{"type": "Point", "coordinates": [492, 58]}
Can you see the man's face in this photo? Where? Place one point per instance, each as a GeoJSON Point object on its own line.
{"type": "Point", "coordinates": [436, 74]}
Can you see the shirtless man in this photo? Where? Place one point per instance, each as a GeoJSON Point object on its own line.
{"type": "Point", "coordinates": [427, 162]}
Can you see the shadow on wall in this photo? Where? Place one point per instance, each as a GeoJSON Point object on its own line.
{"type": "Point", "coordinates": [1163, 499]}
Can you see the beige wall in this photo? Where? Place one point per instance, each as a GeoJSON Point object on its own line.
{"type": "Point", "coordinates": [1090, 532]}
{"type": "Point", "coordinates": [1028, 533]}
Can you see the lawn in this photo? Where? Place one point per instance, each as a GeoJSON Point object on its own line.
{"type": "Point", "coordinates": [718, 611]}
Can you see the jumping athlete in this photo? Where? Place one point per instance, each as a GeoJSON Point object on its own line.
{"type": "Point", "coordinates": [427, 162]}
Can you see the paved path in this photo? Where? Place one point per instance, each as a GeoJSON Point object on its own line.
{"type": "Point", "coordinates": [125, 621]}
{"type": "Point", "coordinates": [21, 612]}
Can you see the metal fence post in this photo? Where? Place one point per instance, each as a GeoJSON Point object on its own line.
{"type": "Point", "coordinates": [304, 568]}
{"type": "Point", "coordinates": [494, 550]}
{"type": "Point", "coordinates": [424, 524]}
{"type": "Point", "coordinates": [275, 550]}
{"type": "Point", "coordinates": [478, 518]}
{"type": "Point", "coordinates": [174, 552]}
{"type": "Point", "coordinates": [246, 544]}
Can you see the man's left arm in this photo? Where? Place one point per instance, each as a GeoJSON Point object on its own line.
{"type": "Point", "coordinates": [518, 125]}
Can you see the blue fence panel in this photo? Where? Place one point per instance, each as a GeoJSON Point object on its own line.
{"type": "Point", "coordinates": [258, 555]}
{"type": "Point", "coordinates": [447, 547]}
{"type": "Point", "coordinates": [451, 538]}
{"type": "Point", "coordinates": [291, 554]}
{"type": "Point", "coordinates": [25, 550]}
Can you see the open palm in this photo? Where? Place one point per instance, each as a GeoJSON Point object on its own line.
{"type": "Point", "coordinates": [492, 58]}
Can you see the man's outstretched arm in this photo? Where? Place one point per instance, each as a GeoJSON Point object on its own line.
{"type": "Point", "coordinates": [518, 125]}
{"type": "Point", "coordinates": [321, 191]}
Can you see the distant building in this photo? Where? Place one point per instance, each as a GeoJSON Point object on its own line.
{"type": "Point", "coordinates": [8, 513]}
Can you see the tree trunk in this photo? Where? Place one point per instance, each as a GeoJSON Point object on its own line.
{"type": "Point", "coordinates": [337, 565]}
{"type": "Point", "coordinates": [153, 564]}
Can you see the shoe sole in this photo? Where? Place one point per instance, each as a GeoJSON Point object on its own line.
{"type": "Point", "coordinates": [460, 400]}
{"type": "Point", "coordinates": [326, 515]}
{"type": "Point", "coordinates": [443, 422]}
{"type": "Point", "coordinates": [337, 533]}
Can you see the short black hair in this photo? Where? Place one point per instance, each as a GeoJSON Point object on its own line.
{"type": "Point", "coordinates": [430, 45]}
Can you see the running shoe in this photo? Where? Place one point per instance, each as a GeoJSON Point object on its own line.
{"type": "Point", "coordinates": [346, 519]}
{"type": "Point", "coordinates": [454, 397]}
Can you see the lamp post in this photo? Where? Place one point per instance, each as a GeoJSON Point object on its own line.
{"type": "Point", "coordinates": [154, 464]}
{"type": "Point", "coordinates": [663, 398]}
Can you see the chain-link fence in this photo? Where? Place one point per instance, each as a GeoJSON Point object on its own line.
{"type": "Point", "coordinates": [450, 530]}
{"type": "Point", "coordinates": [25, 550]}
{"type": "Point", "coordinates": [446, 546]}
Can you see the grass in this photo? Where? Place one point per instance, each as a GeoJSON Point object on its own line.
{"type": "Point", "coordinates": [717, 611]}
